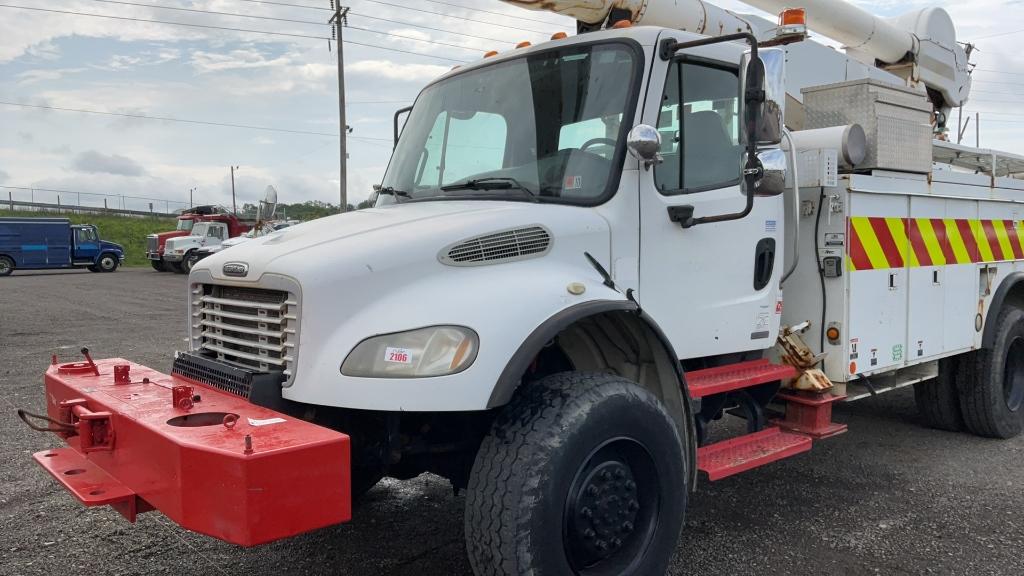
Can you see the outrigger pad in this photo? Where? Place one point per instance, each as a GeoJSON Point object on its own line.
{"type": "Point", "coordinates": [209, 460]}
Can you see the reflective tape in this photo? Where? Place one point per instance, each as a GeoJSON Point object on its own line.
{"type": "Point", "coordinates": [879, 243]}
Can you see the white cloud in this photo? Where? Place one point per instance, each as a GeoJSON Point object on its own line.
{"type": "Point", "coordinates": [43, 74]}
{"type": "Point", "coordinates": [406, 72]}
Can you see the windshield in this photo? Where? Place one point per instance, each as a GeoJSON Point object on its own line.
{"type": "Point", "coordinates": [186, 225]}
{"type": "Point", "coordinates": [542, 127]}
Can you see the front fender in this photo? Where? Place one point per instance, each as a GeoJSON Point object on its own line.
{"type": "Point", "coordinates": [505, 304]}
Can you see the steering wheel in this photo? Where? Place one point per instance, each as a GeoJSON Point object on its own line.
{"type": "Point", "coordinates": [595, 141]}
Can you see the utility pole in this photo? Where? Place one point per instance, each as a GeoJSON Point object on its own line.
{"type": "Point", "coordinates": [190, 191]}
{"type": "Point", "coordinates": [337, 21]}
{"type": "Point", "coordinates": [234, 209]}
{"type": "Point", "coordinates": [977, 129]}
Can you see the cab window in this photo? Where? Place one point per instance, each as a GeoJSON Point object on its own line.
{"type": "Point", "coordinates": [85, 235]}
{"type": "Point", "coordinates": [699, 125]}
{"type": "Point", "coordinates": [216, 232]}
{"type": "Point", "coordinates": [460, 145]}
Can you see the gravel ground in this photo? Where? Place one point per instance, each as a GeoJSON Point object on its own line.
{"type": "Point", "coordinates": [889, 497]}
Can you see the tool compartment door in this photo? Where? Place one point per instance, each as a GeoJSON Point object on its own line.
{"type": "Point", "coordinates": [878, 282]}
{"type": "Point", "coordinates": [927, 273]}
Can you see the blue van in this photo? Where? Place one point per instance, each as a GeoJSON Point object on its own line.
{"type": "Point", "coordinates": [44, 243]}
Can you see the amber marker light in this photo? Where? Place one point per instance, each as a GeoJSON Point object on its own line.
{"type": "Point", "coordinates": [793, 17]}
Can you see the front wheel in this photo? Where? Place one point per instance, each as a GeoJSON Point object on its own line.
{"type": "Point", "coordinates": [107, 263]}
{"type": "Point", "coordinates": [158, 265]}
{"type": "Point", "coordinates": [6, 266]}
{"type": "Point", "coordinates": [583, 474]}
{"type": "Point", "coordinates": [189, 262]}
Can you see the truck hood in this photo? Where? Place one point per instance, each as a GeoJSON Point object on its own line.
{"type": "Point", "coordinates": [375, 239]}
{"type": "Point", "coordinates": [164, 236]}
{"type": "Point", "coordinates": [181, 241]}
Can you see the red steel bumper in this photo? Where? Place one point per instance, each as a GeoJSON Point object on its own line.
{"type": "Point", "coordinates": [210, 461]}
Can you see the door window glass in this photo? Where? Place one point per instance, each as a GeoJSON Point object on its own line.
{"type": "Point", "coordinates": [216, 232]}
{"type": "Point", "coordinates": [85, 235]}
{"type": "Point", "coordinates": [699, 125]}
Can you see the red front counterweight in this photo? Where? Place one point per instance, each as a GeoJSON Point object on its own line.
{"type": "Point", "coordinates": [222, 467]}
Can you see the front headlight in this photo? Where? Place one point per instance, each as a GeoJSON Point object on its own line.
{"type": "Point", "coordinates": [432, 351]}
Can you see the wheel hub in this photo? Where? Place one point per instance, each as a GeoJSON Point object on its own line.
{"type": "Point", "coordinates": [604, 510]}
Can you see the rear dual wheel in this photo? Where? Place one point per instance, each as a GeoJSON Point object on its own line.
{"type": "Point", "coordinates": [6, 266]}
{"type": "Point", "coordinates": [581, 474]}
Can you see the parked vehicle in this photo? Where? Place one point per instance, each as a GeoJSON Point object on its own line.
{"type": "Point", "coordinates": [45, 243]}
{"type": "Point", "coordinates": [156, 244]}
{"type": "Point", "coordinates": [256, 232]}
{"type": "Point", "coordinates": [574, 271]}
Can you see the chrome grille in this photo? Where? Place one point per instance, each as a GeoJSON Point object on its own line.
{"type": "Point", "coordinates": [152, 243]}
{"type": "Point", "coordinates": [514, 244]}
{"type": "Point", "coordinates": [254, 328]}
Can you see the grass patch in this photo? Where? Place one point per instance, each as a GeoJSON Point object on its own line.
{"type": "Point", "coordinates": [128, 231]}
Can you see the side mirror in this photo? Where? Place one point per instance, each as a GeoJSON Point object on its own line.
{"type": "Point", "coordinates": [398, 116]}
{"type": "Point", "coordinates": [644, 144]}
{"type": "Point", "coordinates": [773, 173]}
{"type": "Point", "coordinates": [764, 95]}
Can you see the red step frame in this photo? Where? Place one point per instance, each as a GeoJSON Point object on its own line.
{"type": "Point", "coordinates": [261, 477]}
{"type": "Point", "coordinates": [720, 379]}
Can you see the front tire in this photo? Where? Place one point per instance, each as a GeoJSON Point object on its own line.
{"type": "Point", "coordinates": [992, 399]}
{"type": "Point", "coordinates": [6, 266]}
{"type": "Point", "coordinates": [581, 474]}
{"type": "Point", "coordinates": [189, 262]}
{"type": "Point", "coordinates": [158, 265]}
{"type": "Point", "coordinates": [107, 263]}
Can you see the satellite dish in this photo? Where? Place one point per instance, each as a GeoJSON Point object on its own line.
{"type": "Point", "coordinates": [269, 203]}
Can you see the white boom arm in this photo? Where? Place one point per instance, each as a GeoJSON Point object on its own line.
{"type": "Point", "coordinates": [919, 46]}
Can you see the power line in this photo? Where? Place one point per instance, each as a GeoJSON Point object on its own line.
{"type": "Point", "coordinates": [502, 14]}
{"type": "Point", "coordinates": [228, 28]}
{"type": "Point", "coordinates": [516, 28]}
{"type": "Point", "coordinates": [399, 22]}
{"type": "Point", "coordinates": [214, 12]}
{"type": "Point", "coordinates": [276, 19]}
{"type": "Point", "coordinates": [169, 119]}
{"type": "Point", "coordinates": [997, 34]}
{"type": "Point", "coordinates": [286, 4]}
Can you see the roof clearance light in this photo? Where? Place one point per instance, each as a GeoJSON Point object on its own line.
{"type": "Point", "coordinates": [491, 53]}
{"type": "Point", "coordinates": [524, 44]}
{"type": "Point", "coordinates": [793, 17]}
{"type": "Point", "coordinates": [559, 36]}
{"type": "Point", "coordinates": [622, 24]}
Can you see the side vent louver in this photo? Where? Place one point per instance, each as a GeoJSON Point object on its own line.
{"type": "Point", "coordinates": [503, 246]}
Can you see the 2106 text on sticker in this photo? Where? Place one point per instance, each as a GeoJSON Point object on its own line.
{"type": "Point", "coordinates": [397, 355]}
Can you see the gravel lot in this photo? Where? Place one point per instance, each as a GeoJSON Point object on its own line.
{"type": "Point", "coordinates": [889, 497]}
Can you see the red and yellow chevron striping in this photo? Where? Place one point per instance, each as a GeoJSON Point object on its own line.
{"type": "Point", "coordinates": [878, 243]}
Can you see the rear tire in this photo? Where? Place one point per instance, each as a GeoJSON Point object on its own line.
{"type": "Point", "coordinates": [992, 399]}
{"type": "Point", "coordinates": [580, 474]}
{"type": "Point", "coordinates": [158, 265]}
{"type": "Point", "coordinates": [107, 262]}
{"type": "Point", "coordinates": [6, 266]}
{"type": "Point", "coordinates": [938, 400]}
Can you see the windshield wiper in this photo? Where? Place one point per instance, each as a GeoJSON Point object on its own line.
{"type": "Point", "coordinates": [396, 193]}
{"type": "Point", "coordinates": [491, 183]}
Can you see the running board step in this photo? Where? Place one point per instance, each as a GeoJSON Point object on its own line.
{"type": "Point", "coordinates": [737, 455]}
{"type": "Point", "coordinates": [731, 377]}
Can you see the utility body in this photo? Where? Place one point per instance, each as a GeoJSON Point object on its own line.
{"type": "Point", "coordinates": [222, 225]}
{"type": "Point", "coordinates": [584, 257]}
{"type": "Point", "coordinates": [48, 243]}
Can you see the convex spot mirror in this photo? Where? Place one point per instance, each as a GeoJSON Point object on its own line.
{"type": "Point", "coordinates": [644, 144]}
{"type": "Point", "coordinates": [764, 95]}
{"type": "Point", "coordinates": [773, 173]}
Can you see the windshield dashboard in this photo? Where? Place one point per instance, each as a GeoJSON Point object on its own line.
{"type": "Point", "coordinates": [548, 126]}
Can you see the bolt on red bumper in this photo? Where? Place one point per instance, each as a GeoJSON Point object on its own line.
{"type": "Point", "coordinates": [210, 461]}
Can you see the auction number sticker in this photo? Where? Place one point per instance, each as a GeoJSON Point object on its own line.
{"type": "Point", "coordinates": [397, 355]}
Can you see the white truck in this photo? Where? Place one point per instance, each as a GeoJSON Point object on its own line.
{"type": "Point", "coordinates": [576, 268]}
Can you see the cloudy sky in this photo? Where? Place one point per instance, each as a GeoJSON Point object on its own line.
{"type": "Point", "coordinates": [210, 75]}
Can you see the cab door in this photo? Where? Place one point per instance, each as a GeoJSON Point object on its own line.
{"type": "Point", "coordinates": [713, 288]}
{"type": "Point", "coordinates": [87, 244]}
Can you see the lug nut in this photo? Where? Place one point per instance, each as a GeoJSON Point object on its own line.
{"type": "Point", "coordinates": [627, 527]}
{"type": "Point", "coordinates": [586, 513]}
{"type": "Point", "coordinates": [592, 490]}
{"type": "Point", "coordinates": [616, 543]}
{"type": "Point", "coordinates": [589, 534]}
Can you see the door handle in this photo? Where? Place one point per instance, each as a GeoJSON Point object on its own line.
{"type": "Point", "coordinates": [682, 214]}
{"type": "Point", "coordinates": [764, 262]}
